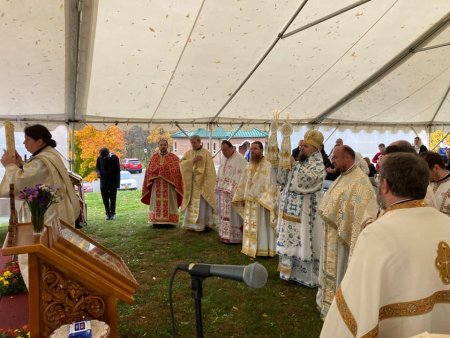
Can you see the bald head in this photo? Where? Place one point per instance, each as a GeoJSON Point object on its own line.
{"type": "Point", "coordinates": [400, 146]}
{"type": "Point", "coordinates": [343, 158]}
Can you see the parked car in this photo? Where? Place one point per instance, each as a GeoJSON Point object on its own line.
{"type": "Point", "coordinates": [127, 182]}
{"type": "Point", "coordinates": [87, 187]}
{"type": "Point", "coordinates": [133, 165]}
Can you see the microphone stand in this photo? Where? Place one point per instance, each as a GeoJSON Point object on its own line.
{"type": "Point", "coordinates": [197, 294]}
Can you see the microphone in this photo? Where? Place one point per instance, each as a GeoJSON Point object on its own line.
{"type": "Point", "coordinates": [254, 275]}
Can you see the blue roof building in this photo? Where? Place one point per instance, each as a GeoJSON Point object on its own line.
{"type": "Point", "coordinates": [221, 134]}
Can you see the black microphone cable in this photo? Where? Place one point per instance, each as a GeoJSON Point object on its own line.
{"type": "Point", "coordinates": [254, 275]}
{"type": "Point", "coordinates": [172, 316]}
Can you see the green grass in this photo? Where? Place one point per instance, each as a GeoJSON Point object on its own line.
{"type": "Point", "coordinates": [230, 309]}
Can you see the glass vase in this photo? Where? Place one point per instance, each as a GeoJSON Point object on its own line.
{"type": "Point", "coordinates": [37, 220]}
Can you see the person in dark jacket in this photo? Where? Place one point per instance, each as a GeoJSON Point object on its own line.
{"type": "Point", "coordinates": [296, 151]}
{"type": "Point", "coordinates": [448, 157]}
{"type": "Point", "coordinates": [332, 172]}
{"type": "Point", "coordinates": [372, 169]}
{"type": "Point", "coordinates": [108, 170]}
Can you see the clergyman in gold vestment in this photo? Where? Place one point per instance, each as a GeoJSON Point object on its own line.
{"type": "Point", "coordinates": [199, 178]}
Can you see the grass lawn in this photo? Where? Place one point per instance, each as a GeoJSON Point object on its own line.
{"type": "Point", "coordinates": [230, 309]}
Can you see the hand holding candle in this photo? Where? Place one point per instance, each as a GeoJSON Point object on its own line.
{"type": "Point", "coordinates": [9, 137]}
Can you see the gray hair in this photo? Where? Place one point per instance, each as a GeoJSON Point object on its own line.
{"type": "Point", "coordinates": [195, 137]}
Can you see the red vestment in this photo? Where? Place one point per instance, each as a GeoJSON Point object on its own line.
{"type": "Point", "coordinates": [162, 172]}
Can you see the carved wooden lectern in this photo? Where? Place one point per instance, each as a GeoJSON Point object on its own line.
{"type": "Point", "coordinates": [71, 277]}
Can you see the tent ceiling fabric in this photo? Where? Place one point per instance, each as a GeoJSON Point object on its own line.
{"type": "Point", "coordinates": [163, 61]}
{"type": "Point", "coordinates": [33, 58]}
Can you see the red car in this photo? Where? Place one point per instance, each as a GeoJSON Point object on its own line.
{"type": "Point", "coordinates": [87, 187]}
{"type": "Point", "coordinates": [133, 165]}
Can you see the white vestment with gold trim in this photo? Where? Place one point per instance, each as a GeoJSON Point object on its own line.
{"type": "Point", "coordinates": [393, 287]}
{"type": "Point", "coordinates": [256, 200]}
{"type": "Point", "coordinates": [342, 211]}
{"type": "Point", "coordinates": [228, 177]}
{"type": "Point", "coordinates": [44, 168]}
{"type": "Point", "coordinates": [441, 190]}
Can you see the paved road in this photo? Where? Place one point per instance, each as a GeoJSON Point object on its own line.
{"type": "Point", "coordinates": [138, 177]}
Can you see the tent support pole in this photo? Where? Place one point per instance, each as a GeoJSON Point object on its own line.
{"type": "Point", "coordinates": [429, 134]}
{"type": "Point", "coordinates": [330, 135]}
{"type": "Point", "coordinates": [431, 47]}
{"type": "Point", "coordinates": [73, 24]}
{"type": "Point", "coordinates": [386, 69]}
{"type": "Point", "coordinates": [219, 152]}
{"type": "Point", "coordinates": [235, 132]}
{"type": "Point", "coordinates": [72, 147]}
{"type": "Point", "coordinates": [182, 130]}
{"type": "Point", "coordinates": [260, 61]}
{"type": "Point", "coordinates": [231, 136]}
{"type": "Point", "coordinates": [263, 124]}
{"type": "Point", "coordinates": [72, 162]}
{"type": "Point", "coordinates": [442, 139]}
{"type": "Point", "coordinates": [325, 18]}
{"type": "Point", "coordinates": [210, 138]}
{"type": "Point", "coordinates": [440, 105]}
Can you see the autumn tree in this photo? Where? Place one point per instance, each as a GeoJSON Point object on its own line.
{"type": "Point", "coordinates": [157, 134]}
{"type": "Point", "coordinates": [436, 137]}
{"type": "Point", "coordinates": [136, 142]}
{"type": "Point", "coordinates": [88, 142]}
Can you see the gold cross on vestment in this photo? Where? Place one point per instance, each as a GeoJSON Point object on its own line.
{"type": "Point", "coordinates": [443, 261]}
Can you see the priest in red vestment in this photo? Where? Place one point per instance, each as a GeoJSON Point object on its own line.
{"type": "Point", "coordinates": [162, 189]}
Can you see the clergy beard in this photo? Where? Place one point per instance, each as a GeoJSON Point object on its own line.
{"type": "Point", "coordinates": [256, 159]}
{"type": "Point", "coordinates": [380, 199]}
{"type": "Point", "coordinates": [302, 157]}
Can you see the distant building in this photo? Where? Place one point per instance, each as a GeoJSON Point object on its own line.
{"type": "Point", "coordinates": [241, 140]}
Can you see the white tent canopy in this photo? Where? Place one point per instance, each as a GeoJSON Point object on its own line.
{"type": "Point", "coordinates": [380, 63]}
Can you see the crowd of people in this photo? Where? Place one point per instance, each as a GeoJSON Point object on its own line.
{"type": "Point", "coordinates": [377, 249]}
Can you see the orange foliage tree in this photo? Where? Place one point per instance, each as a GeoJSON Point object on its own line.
{"type": "Point", "coordinates": [436, 137]}
{"type": "Point", "coordinates": [156, 135]}
{"type": "Point", "coordinates": [88, 142]}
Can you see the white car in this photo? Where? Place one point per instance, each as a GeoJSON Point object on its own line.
{"type": "Point", "coordinates": [127, 182]}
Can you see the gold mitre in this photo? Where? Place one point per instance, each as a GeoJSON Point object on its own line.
{"type": "Point", "coordinates": [313, 138]}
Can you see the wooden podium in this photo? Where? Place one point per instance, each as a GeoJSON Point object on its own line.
{"type": "Point", "coordinates": [71, 277]}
